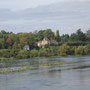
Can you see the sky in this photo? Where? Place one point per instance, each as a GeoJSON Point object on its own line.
{"type": "Point", "coordinates": [29, 15]}
{"type": "Point", "coordinates": [22, 4]}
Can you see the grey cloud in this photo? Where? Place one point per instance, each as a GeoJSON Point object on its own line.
{"type": "Point", "coordinates": [65, 15]}
{"type": "Point", "coordinates": [54, 10]}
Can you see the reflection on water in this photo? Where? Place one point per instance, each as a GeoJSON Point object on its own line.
{"type": "Point", "coordinates": [58, 76]}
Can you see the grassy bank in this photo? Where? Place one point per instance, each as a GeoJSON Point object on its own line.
{"type": "Point", "coordinates": [51, 51]}
{"type": "Point", "coordinates": [12, 58]}
{"type": "Point", "coordinates": [16, 70]}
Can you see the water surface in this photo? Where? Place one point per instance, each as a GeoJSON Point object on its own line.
{"type": "Point", "coordinates": [74, 75]}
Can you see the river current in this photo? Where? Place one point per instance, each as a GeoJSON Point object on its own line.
{"type": "Point", "coordinates": [54, 73]}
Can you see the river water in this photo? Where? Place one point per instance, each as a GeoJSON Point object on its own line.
{"type": "Point", "coordinates": [74, 75]}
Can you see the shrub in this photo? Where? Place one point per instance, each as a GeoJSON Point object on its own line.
{"type": "Point", "coordinates": [79, 50]}
{"type": "Point", "coordinates": [64, 50]}
{"type": "Point", "coordinates": [87, 49]}
{"type": "Point", "coordinates": [43, 53]}
{"type": "Point", "coordinates": [34, 53]}
{"type": "Point", "coordinates": [23, 54]}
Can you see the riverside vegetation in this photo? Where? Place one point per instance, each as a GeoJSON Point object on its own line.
{"type": "Point", "coordinates": [11, 44]}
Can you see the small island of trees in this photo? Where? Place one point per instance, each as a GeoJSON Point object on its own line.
{"type": "Point", "coordinates": [12, 44]}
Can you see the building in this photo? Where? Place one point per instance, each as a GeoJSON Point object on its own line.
{"type": "Point", "coordinates": [26, 47]}
{"type": "Point", "coordinates": [43, 42]}
{"type": "Point", "coordinates": [46, 41]}
{"type": "Point", "coordinates": [53, 42]}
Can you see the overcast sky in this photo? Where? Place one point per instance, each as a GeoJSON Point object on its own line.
{"type": "Point", "coordinates": [22, 4]}
{"type": "Point", "coordinates": [30, 15]}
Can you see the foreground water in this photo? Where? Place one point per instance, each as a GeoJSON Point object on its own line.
{"type": "Point", "coordinates": [74, 74]}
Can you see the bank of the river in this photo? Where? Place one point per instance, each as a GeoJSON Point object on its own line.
{"type": "Point", "coordinates": [12, 58]}
{"type": "Point", "coordinates": [17, 69]}
{"type": "Point", "coordinates": [51, 51]}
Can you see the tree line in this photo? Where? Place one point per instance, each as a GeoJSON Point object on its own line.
{"type": "Point", "coordinates": [11, 44]}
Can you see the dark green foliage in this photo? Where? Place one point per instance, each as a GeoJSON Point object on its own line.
{"type": "Point", "coordinates": [40, 35]}
{"type": "Point", "coordinates": [9, 40]}
{"type": "Point", "coordinates": [7, 53]}
{"type": "Point", "coordinates": [73, 37]}
{"type": "Point", "coordinates": [11, 45]}
{"type": "Point", "coordinates": [79, 50]}
{"type": "Point", "coordinates": [23, 54]}
{"type": "Point", "coordinates": [64, 38]}
{"type": "Point", "coordinates": [87, 49]}
{"type": "Point", "coordinates": [2, 43]}
{"type": "Point", "coordinates": [77, 43]}
{"type": "Point", "coordinates": [16, 46]}
{"type": "Point", "coordinates": [80, 35]}
{"type": "Point", "coordinates": [64, 50]}
{"type": "Point", "coordinates": [88, 35]}
{"type": "Point", "coordinates": [58, 38]}
{"type": "Point", "coordinates": [49, 34]}
{"type": "Point", "coordinates": [34, 53]}
{"type": "Point", "coordinates": [31, 40]}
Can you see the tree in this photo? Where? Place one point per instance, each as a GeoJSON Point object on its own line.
{"type": "Point", "coordinates": [88, 35]}
{"type": "Point", "coordinates": [40, 35]}
{"type": "Point", "coordinates": [23, 38]}
{"type": "Point", "coordinates": [64, 50]}
{"type": "Point", "coordinates": [87, 49]}
{"type": "Point", "coordinates": [49, 34]}
{"type": "Point", "coordinates": [80, 35]}
{"type": "Point", "coordinates": [79, 50]}
{"type": "Point", "coordinates": [2, 43]}
{"type": "Point", "coordinates": [64, 38]}
{"type": "Point", "coordinates": [3, 32]}
{"type": "Point", "coordinates": [23, 54]}
{"type": "Point", "coordinates": [9, 41]}
{"type": "Point", "coordinates": [16, 46]}
{"type": "Point", "coordinates": [73, 37]}
{"type": "Point", "coordinates": [31, 40]}
{"type": "Point", "coordinates": [13, 37]}
{"type": "Point", "coordinates": [58, 38]}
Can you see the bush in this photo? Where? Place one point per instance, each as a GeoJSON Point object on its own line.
{"type": "Point", "coordinates": [77, 43]}
{"type": "Point", "coordinates": [87, 49]}
{"type": "Point", "coordinates": [79, 50]}
{"type": "Point", "coordinates": [5, 53]}
{"type": "Point", "coordinates": [64, 50]}
{"type": "Point", "coordinates": [34, 53]}
{"type": "Point", "coordinates": [43, 53]}
{"type": "Point", "coordinates": [23, 54]}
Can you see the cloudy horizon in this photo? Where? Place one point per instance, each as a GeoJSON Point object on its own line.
{"type": "Point", "coordinates": [29, 15]}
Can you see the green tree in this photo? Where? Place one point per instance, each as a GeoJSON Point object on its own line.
{"type": "Point", "coordinates": [23, 54]}
{"type": "Point", "coordinates": [58, 38]}
{"type": "Point", "coordinates": [80, 35]}
{"type": "Point", "coordinates": [64, 38]}
{"type": "Point", "coordinates": [64, 50]}
{"type": "Point", "coordinates": [40, 35]}
{"type": "Point", "coordinates": [87, 49]}
{"type": "Point", "coordinates": [73, 37]}
{"type": "Point", "coordinates": [3, 32]}
{"type": "Point", "coordinates": [88, 35]}
{"type": "Point", "coordinates": [2, 43]}
{"type": "Point", "coordinates": [79, 50]}
{"type": "Point", "coordinates": [31, 40]}
{"type": "Point", "coordinates": [49, 34]}
{"type": "Point", "coordinates": [16, 46]}
{"type": "Point", "coordinates": [34, 53]}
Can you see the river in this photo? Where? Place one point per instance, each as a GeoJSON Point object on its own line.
{"type": "Point", "coordinates": [54, 73]}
